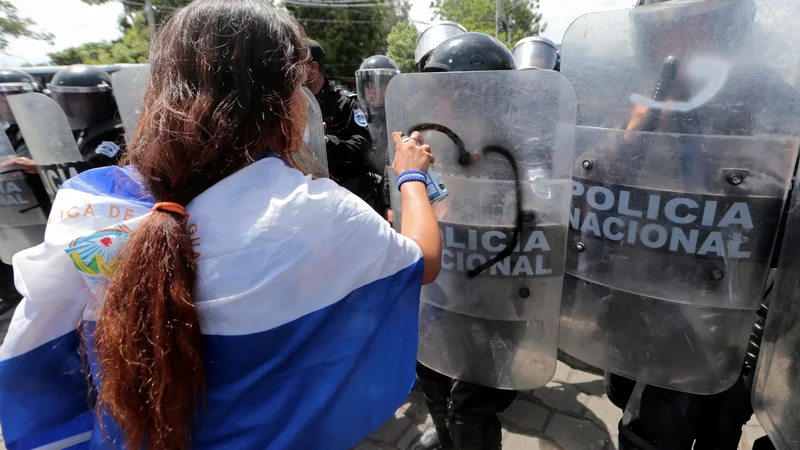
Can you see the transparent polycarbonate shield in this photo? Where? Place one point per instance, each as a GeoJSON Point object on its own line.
{"type": "Point", "coordinates": [22, 221]}
{"type": "Point", "coordinates": [775, 399]}
{"type": "Point", "coordinates": [49, 139]}
{"type": "Point", "coordinates": [682, 168]}
{"type": "Point", "coordinates": [503, 146]}
{"type": "Point", "coordinates": [535, 53]}
{"type": "Point", "coordinates": [129, 87]}
{"type": "Point", "coordinates": [313, 158]}
{"type": "Point", "coordinates": [371, 87]}
{"type": "Point", "coordinates": [432, 36]}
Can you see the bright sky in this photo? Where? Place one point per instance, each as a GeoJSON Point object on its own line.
{"type": "Point", "coordinates": [74, 23]}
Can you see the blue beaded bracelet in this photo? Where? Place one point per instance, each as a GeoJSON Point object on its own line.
{"type": "Point", "coordinates": [410, 172]}
{"type": "Point", "coordinates": [409, 177]}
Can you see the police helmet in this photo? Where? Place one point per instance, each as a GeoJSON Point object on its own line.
{"type": "Point", "coordinates": [469, 52]}
{"type": "Point", "coordinates": [14, 82]}
{"type": "Point", "coordinates": [431, 37]}
{"type": "Point", "coordinates": [535, 52]}
{"type": "Point", "coordinates": [85, 95]}
{"type": "Point", "coordinates": [371, 80]}
{"type": "Point", "coordinates": [378, 62]}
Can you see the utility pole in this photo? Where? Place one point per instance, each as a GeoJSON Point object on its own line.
{"type": "Point", "coordinates": [498, 9]}
{"type": "Point", "coordinates": [151, 20]}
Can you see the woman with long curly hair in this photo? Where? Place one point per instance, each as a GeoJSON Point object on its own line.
{"type": "Point", "coordinates": [215, 295]}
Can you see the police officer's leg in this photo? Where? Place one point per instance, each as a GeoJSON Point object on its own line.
{"type": "Point", "coordinates": [9, 296]}
{"type": "Point", "coordinates": [665, 420]}
{"type": "Point", "coordinates": [723, 416]}
{"type": "Point", "coordinates": [436, 389]}
{"type": "Point", "coordinates": [473, 415]}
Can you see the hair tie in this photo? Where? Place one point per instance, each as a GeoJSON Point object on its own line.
{"type": "Point", "coordinates": [169, 206]}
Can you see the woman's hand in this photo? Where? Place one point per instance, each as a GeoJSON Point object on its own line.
{"type": "Point", "coordinates": [26, 165]}
{"type": "Point", "coordinates": [411, 155]}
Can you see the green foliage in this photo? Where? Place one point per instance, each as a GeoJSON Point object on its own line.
{"type": "Point", "coordinates": [349, 35]}
{"type": "Point", "coordinates": [12, 25]}
{"type": "Point", "coordinates": [83, 54]}
{"type": "Point", "coordinates": [518, 16]}
{"type": "Point", "coordinates": [133, 47]}
{"type": "Point", "coordinates": [402, 40]}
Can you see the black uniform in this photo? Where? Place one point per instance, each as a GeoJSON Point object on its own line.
{"type": "Point", "coordinates": [347, 143]}
{"type": "Point", "coordinates": [372, 79]}
{"type": "Point", "coordinates": [102, 144]}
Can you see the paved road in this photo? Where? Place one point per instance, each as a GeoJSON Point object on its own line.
{"type": "Point", "coordinates": [571, 412]}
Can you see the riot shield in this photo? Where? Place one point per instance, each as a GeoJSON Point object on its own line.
{"type": "Point", "coordinates": [313, 157]}
{"type": "Point", "coordinates": [681, 174]}
{"type": "Point", "coordinates": [22, 220]}
{"type": "Point", "coordinates": [503, 147]}
{"type": "Point", "coordinates": [371, 87]}
{"type": "Point", "coordinates": [49, 139]}
{"type": "Point", "coordinates": [434, 35]}
{"type": "Point", "coordinates": [774, 396]}
{"type": "Point", "coordinates": [129, 87]}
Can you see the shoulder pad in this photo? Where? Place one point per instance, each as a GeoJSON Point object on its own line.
{"type": "Point", "coordinates": [349, 94]}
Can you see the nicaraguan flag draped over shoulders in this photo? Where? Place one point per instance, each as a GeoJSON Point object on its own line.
{"type": "Point", "coordinates": [308, 304]}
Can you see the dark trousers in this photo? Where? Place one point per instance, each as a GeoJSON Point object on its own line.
{"type": "Point", "coordinates": [671, 420]}
{"type": "Point", "coordinates": [464, 414]}
{"type": "Point", "coordinates": [9, 296]}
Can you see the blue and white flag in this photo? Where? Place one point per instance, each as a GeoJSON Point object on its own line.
{"type": "Point", "coordinates": [308, 303]}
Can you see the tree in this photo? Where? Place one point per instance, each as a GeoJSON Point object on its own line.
{"type": "Point", "coordinates": [133, 47]}
{"type": "Point", "coordinates": [160, 8]}
{"type": "Point", "coordinates": [519, 18]}
{"type": "Point", "coordinates": [402, 40]}
{"type": "Point", "coordinates": [83, 54]}
{"type": "Point", "coordinates": [348, 33]}
{"type": "Point", "coordinates": [12, 25]}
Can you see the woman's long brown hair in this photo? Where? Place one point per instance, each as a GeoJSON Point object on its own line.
{"type": "Point", "coordinates": [223, 87]}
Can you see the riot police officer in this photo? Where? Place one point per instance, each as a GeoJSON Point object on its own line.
{"type": "Point", "coordinates": [348, 141]}
{"type": "Point", "coordinates": [26, 204]}
{"type": "Point", "coordinates": [86, 97]}
{"type": "Point", "coordinates": [85, 94]}
{"type": "Point", "coordinates": [371, 80]}
{"type": "Point", "coordinates": [464, 414]}
{"type": "Point", "coordinates": [669, 323]}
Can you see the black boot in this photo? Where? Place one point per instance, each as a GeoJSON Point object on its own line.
{"type": "Point", "coordinates": [436, 390]}
{"type": "Point", "coordinates": [476, 433]}
{"type": "Point", "coordinates": [428, 440]}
